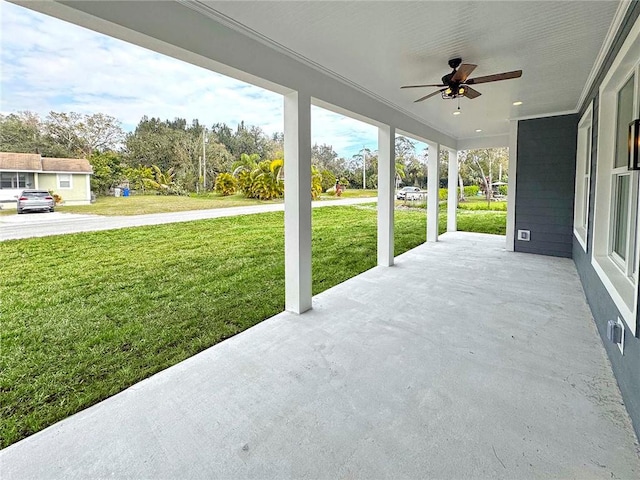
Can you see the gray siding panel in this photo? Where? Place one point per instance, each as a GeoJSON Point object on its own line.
{"type": "Point", "coordinates": [545, 184]}
{"type": "Point", "coordinates": [625, 367]}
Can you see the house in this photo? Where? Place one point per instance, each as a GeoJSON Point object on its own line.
{"type": "Point", "coordinates": [67, 177]}
{"type": "Point", "coordinates": [571, 193]}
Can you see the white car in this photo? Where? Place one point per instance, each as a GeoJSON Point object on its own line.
{"type": "Point", "coordinates": [410, 193]}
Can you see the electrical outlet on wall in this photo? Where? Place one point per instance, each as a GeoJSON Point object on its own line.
{"type": "Point", "coordinates": [524, 235]}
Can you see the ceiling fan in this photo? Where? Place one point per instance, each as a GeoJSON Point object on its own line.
{"type": "Point", "coordinates": [456, 84]}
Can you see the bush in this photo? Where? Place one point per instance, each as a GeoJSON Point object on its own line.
{"type": "Point", "coordinates": [471, 190]}
{"type": "Point", "coordinates": [316, 182]}
{"type": "Point", "coordinates": [502, 189]}
{"type": "Point", "coordinates": [328, 180]}
{"type": "Point", "coordinates": [443, 194]}
{"type": "Point", "coordinates": [226, 184]}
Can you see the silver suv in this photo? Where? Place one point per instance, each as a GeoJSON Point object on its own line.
{"type": "Point", "coordinates": [35, 200]}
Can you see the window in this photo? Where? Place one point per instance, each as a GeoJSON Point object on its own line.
{"type": "Point", "coordinates": [583, 178]}
{"type": "Point", "coordinates": [64, 180]}
{"type": "Point", "coordinates": [16, 180]}
{"type": "Point", "coordinates": [615, 224]}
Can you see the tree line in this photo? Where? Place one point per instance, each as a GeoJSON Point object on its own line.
{"type": "Point", "coordinates": [178, 157]}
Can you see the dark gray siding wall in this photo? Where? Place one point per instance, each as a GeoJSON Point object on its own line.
{"type": "Point", "coordinates": [625, 367]}
{"type": "Point", "coordinates": [546, 160]}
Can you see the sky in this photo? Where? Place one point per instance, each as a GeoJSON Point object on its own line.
{"type": "Point", "coordinates": [51, 65]}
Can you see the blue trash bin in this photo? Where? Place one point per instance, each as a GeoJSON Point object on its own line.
{"type": "Point", "coordinates": [125, 192]}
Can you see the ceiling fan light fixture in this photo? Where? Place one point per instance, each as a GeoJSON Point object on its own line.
{"type": "Point", "coordinates": [461, 91]}
{"type": "Point", "coordinates": [447, 91]}
{"type": "Point", "coordinates": [457, 112]}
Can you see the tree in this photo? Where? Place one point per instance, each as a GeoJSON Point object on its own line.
{"type": "Point", "coordinates": [108, 171]}
{"type": "Point", "coordinates": [163, 182]}
{"type": "Point", "coordinates": [483, 167]}
{"type": "Point", "coordinates": [266, 180]}
{"type": "Point", "coordinates": [225, 184]}
{"type": "Point", "coordinates": [21, 133]}
{"type": "Point", "coordinates": [242, 170]}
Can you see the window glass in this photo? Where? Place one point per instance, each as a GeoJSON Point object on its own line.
{"type": "Point", "coordinates": [587, 164]}
{"type": "Point", "coordinates": [625, 116]}
{"type": "Point", "coordinates": [621, 219]}
{"type": "Point", "coordinates": [64, 180]}
{"type": "Point", "coordinates": [585, 202]}
{"type": "Point", "coordinates": [7, 180]}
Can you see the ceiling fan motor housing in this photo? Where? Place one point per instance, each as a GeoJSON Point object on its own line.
{"type": "Point", "coordinates": [455, 62]}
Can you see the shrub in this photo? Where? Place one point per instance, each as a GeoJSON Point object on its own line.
{"type": "Point", "coordinates": [316, 182]}
{"type": "Point", "coordinates": [471, 190]}
{"type": "Point", "coordinates": [443, 194]}
{"type": "Point", "coordinates": [328, 180]}
{"type": "Point", "coordinates": [226, 184]}
{"type": "Point", "coordinates": [502, 189]}
{"type": "Point", "coordinates": [265, 180]}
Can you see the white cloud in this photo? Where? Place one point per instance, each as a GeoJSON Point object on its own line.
{"type": "Point", "coordinates": [48, 64]}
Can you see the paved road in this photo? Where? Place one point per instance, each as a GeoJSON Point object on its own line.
{"type": "Point", "coordinates": [44, 224]}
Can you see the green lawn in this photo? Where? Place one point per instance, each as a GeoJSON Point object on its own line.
{"type": "Point", "coordinates": [141, 204]}
{"type": "Point", "coordinates": [86, 315]}
{"type": "Point", "coordinates": [480, 203]}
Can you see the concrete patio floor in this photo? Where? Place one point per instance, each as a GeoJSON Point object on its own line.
{"type": "Point", "coordinates": [462, 361]}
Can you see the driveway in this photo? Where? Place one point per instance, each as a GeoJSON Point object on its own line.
{"type": "Point", "coordinates": [45, 224]}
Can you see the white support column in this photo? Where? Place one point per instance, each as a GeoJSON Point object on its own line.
{"type": "Point", "coordinates": [452, 200]}
{"type": "Point", "coordinates": [433, 186]}
{"type": "Point", "coordinates": [511, 187]}
{"type": "Point", "coordinates": [297, 202]}
{"type": "Point", "coordinates": [386, 191]}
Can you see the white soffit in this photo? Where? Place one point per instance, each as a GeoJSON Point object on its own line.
{"type": "Point", "coordinates": [383, 45]}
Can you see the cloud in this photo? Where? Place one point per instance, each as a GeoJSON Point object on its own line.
{"type": "Point", "coordinates": [51, 65]}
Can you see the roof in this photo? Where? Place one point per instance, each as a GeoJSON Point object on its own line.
{"type": "Point", "coordinates": [33, 162]}
{"type": "Point", "coordinates": [20, 161]}
{"type": "Point", "coordinates": [78, 165]}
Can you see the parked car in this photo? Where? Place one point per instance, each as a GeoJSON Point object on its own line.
{"type": "Point", "coordinates": [409, 193]}
{"type": "Point", "coordinates": [32, 200]}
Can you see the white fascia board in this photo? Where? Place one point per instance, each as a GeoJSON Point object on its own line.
{"type": "Point", "coordinates": [19, 170]}
{"type": "Point", "coordinates": [65, 172]}
{"type": "Point", "coordinates": [218, 47]}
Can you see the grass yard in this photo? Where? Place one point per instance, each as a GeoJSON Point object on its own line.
{"type": "Point", "coordinates": [86, 315]}
{"type": "Point", "coordinates": [141, 204]}
{"type": "Point", "coordinates": [480, 203]}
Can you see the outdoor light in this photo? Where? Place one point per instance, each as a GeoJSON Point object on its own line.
{"type": "Point", "coordinates": [634, 144]}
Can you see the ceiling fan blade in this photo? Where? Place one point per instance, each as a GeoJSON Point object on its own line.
{"type": "Point", "coordinates": [495, 78]}
{"type": "Point", "coordinates": [428, 85]}
{"type": "Point", "coordinates": [463, 72]}
{"type": "Point", "coordinates": [430, 95]}
{"type": "Point", "coordinates": [471, 93]}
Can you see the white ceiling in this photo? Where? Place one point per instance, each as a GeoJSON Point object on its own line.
{"type": "Point", "coordinates": [382, 45]}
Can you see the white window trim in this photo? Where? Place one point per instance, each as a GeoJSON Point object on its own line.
{"type": "Point", "coordinates": [622, 288]}
{"type": "Point", "coordinates": [70, 181]}
{"type": "Point", "coordinates": [583, 162]}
